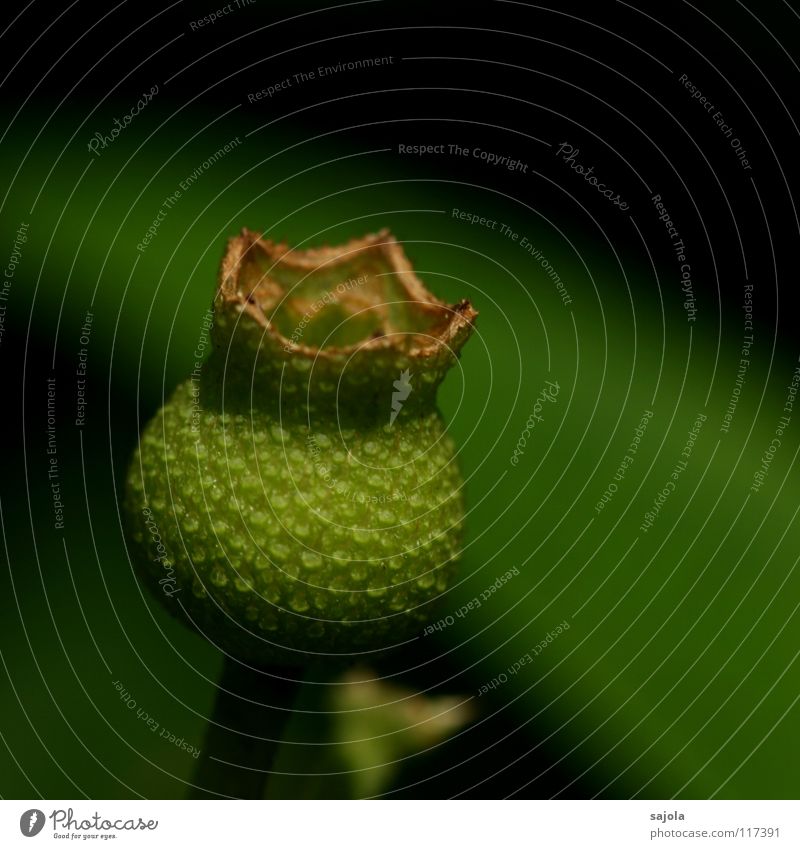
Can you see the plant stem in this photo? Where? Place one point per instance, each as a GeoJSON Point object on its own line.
{"type": "Point", "coordinates": [250, 712]}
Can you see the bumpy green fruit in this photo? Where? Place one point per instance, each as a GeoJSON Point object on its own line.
{"type": "Point", "coordinates": [298, 497]}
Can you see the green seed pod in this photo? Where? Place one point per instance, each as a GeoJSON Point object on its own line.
{"type": "Point", "coordinates": [299, 496]}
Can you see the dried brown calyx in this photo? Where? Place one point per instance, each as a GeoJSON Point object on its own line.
{"type": "Point", "coordinates": [342, 316]}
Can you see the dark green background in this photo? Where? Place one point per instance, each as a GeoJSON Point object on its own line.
{"type": "Point", "coordinates": [678, 675]}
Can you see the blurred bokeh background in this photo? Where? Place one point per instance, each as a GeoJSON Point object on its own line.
{"type": "Point", "coordinates": [678, 674]}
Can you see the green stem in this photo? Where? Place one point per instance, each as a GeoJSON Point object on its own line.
{"type": "Point", "coordinates": [250, 712]}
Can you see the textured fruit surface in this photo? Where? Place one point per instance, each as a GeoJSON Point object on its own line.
{"type": "Point", "coordinates": [293, 537]}
{"type": "Point", "coordinates": [295, 501]}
